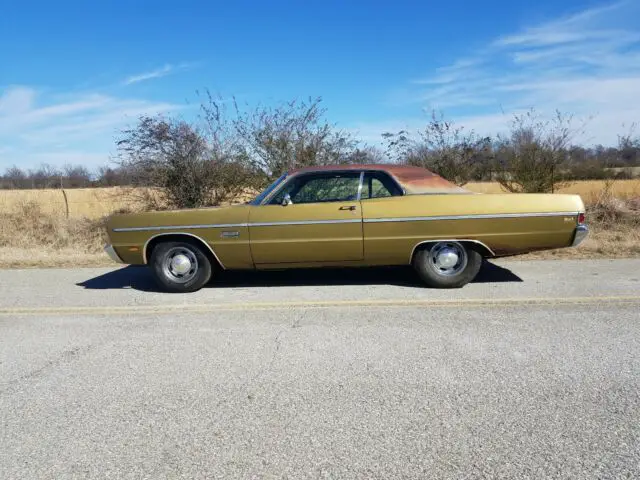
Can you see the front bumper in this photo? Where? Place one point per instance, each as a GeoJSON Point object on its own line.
{"type": "Point", "coordinates": [109, 250]}
{"type": "Point", "coordinates": [579, 235]}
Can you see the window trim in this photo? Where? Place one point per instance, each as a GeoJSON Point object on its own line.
{"type": "Point", "coordinates": [360, 184]}
{"type": "Point", "coordinates": [363, 172]}
{"type": "Point", "coordinates": [391, 178]}
{"type": "Point", "coordinates": [267, 201]}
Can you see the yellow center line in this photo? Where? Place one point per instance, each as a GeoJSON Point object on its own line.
{"type": "Point", "coordinates": [382, 303]}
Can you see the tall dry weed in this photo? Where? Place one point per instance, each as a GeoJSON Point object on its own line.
{"type": "Point", "coordinates": [27, 226]}
{"type": "Point", "coordinates": [608, 210]}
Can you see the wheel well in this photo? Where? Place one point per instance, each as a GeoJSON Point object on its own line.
{"type": "Point", "coordinates": [481, 248]}
{"type": "Point", "coordinates": [181, 237]}
{"type": "Point", "coordinates": [474, 245]}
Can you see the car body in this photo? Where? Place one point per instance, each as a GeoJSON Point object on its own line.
{"type": "Point", "coordinates": [349, 215]}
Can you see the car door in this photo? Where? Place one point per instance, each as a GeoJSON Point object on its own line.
{"type": "Point", "coordinates": [385, 242]}
{"type": "Point", "coordinates": [314, 217]}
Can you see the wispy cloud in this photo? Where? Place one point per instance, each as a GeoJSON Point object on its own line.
{"type": "Point", "coordinates": [141, 77]}
{"type": "Point", "coordinates": [163, 71]}
{"type": "Point", "coordinates": [586, 63]}
{"type": "Point", "coordinates": [34, 126]}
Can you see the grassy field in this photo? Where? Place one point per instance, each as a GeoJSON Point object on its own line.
{"type": "Point", "coordinates": [89, 203]}
{"type": "Point", "coordinates": [588, 190]}
{"type": "Point", "coordinates": [35, 230]}
{"type": "Point", "coordinates": [94, 203]}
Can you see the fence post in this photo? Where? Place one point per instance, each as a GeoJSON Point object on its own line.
{"type": "Point", "coordinates": [66, 202]}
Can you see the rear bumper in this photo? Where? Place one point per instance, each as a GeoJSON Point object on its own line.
{"type": "Point", "coordinates": [109, 250]}
{"type": "Point", "coordinates": [579, 235]}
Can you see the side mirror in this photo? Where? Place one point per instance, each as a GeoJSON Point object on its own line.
{"type": "Point", "coordinates": [286, 200]}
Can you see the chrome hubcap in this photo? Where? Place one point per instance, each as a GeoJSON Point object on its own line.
{"type": "Point", "coordinates": [180, 264]}
{"type": "Point", "coordinates": [448, 258]}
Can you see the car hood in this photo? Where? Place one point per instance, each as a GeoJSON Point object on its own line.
{"type": "Point", "coordinates": [179, 218]}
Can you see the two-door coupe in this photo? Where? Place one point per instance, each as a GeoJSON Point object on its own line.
{"type": "Point", "coordinates": [344, 216]}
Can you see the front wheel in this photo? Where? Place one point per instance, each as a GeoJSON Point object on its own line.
{"type": "Point", "coordinates": [180, 267]}
{"type": "Point", "coordinates": [447, 264]}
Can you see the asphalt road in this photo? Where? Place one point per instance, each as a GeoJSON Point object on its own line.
{"type": "Point", "coordinates": [533, 371]}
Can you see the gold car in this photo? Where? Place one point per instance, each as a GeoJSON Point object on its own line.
{"type": "Point", "coordinates": [347, 216]}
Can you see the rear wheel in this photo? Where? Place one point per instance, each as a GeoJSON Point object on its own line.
{"type": "Point", "coordinates": [180, 267]}
{"type": "Point", "coordinates": [447, 264]}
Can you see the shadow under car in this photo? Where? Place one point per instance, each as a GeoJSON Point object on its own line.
{"type": "Point", "coordinates": [141, 278]}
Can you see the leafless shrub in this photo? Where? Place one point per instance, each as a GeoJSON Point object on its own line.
{"type": "Point", "coordinates": [189, 168]}
{"type": "Point", "coordinates": [609, 211]}
{"type": "Point", "coordinates": [532, 158]}
{"type": "Point", "coordinates": [443, 148]}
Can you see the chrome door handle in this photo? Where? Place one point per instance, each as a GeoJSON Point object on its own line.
{"type": "Point", "coordinates": [350, 207]}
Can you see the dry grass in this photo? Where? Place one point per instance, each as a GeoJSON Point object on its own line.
{"type": "Point", "coordinates": [30, 237]}
{"type": "Point", "coordinates": [43, 257]}
{"type": "Point", "coordinates": [92, 203]}
{"type": "Point", "coordinates": [615, 227]}
{"type": "Point", "coordinates": [621, 241]}
{"type": "Point", "coordinates": [82, 202]}
{"type": "Point", "coordinates": [587, 189]}
{"type": "Point", "coordinates": [34, 230]}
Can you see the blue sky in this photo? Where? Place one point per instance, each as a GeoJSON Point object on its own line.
{"type": "Point", "coordinates": [72, 73]}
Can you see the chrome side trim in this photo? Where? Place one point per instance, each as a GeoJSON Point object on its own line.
{"type": "Point", "coordinates": [113, 255]}
{"type": "Point", "coordinates": [175, 227]}
{"type": "Point", "coordinates": [144, 248]}
{"type": "Point", "coordinates": [459, 240]}
{"type": "Point", "coordinates": [359, 196]}
{"type": "Point", "coordinates": [236, 225]}
{"type": "Point", "coordinates": [470, 217]}
{"type": "Point", "coordinates": [354, 220]}
{"type": "Point", "coordinates": [305, 222]}
{"type": "Point", "coordinates": [580, 234]}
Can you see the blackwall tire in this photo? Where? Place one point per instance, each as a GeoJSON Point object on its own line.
{"type": "Point", "coordinates": [447, 264]}
{"type": "Point", "coordinates": [180, 267]}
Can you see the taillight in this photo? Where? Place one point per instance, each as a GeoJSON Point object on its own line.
{"type": "Point", "coordinates": [581, 218]}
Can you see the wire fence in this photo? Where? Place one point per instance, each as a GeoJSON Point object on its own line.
{"type": "Point", "coordinates": [71, 203]}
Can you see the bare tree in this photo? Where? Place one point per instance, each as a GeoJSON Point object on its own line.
{"type": "Point", "coordinates": [629, 147]}
{"type": "Point", "coordinates": [45, 176]}
{"type": "Point", "coordinates": [112, 177]}
{"type": "Point", "coordinates": [291, 135]}
{"type": "Point", "coordinates": [15, 178]}
{"type": "Point", "coordinates": [76, 176]}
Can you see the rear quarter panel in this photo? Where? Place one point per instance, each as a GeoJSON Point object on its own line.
{"type": "Point", "coordinates": [507, 223]}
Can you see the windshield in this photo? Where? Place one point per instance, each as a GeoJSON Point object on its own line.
{"type": "Point", "coordinates": [258, 200]}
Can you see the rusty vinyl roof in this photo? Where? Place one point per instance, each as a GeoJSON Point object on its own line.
{"type": "Point", "coordinates": [412, 179]}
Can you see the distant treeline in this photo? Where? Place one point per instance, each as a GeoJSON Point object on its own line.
{"type": "Point", "coordinates": [71, 176]}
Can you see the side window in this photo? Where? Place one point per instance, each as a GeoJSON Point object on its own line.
{"type": "Point", "coordinates": [315, 188]}
{"type": "Point", "coordinates": [379, 185]}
